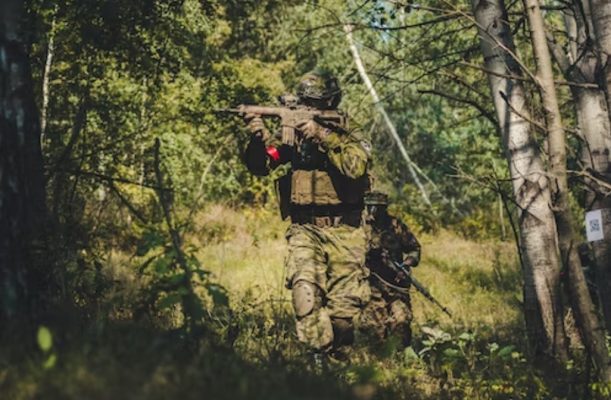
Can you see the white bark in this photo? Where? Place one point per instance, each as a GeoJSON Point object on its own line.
{"type": "Point", "coordinates": [380, 107]}
{"type": "Point", "coordinates": [585, 315]}
{"type": "Point", "coordinates": [601, 21]}
{"type": "Point", "coordinates": [539, 245]}
{"type": "Point", "coordinates": [592, 116]}
{"type": "Point", "coordinates": [45, 83]}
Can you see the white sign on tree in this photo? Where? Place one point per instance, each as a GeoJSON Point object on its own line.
{"type": "Point", "coordinates": [594, 226]}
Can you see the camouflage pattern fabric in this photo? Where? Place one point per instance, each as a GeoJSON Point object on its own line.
{"type": "Point", "coordinates": [389, 311]}
{"type": "Point", "coordinates": [327, 178]}
{"type": "Point", "coordinates": [332, 259]}
{"type": "Point", "coordinates": [390, 239]}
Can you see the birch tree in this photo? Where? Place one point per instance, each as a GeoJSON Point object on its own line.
{"type": "Point", "coordinates": [601, 21]}
{"type": "Point", "coordinates": [585, 314]}
{"type": "Point", "coordinates": [579, 65]}
{"type": "Point", "coordinates": [538, 240]}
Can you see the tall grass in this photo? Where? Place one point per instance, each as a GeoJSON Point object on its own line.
{"type": "Point", "coordinates": [251, 351]}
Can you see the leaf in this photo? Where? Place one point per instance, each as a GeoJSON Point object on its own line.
{"type": "Point", "coordinates": [45, 338]}
{"type": "Point", "coordinates": [169, 300]}
{"type": "Point", "coordinates": [218, 294]}
{"type": "Point", "coordinates": [506, 351]}
{"type": "Point", "coordinates": [176, 279]}
{"type": "Point", "coordinates": [149, 241]}
{"type": "Point", "coordinates": [409, 354]}
{"type": "Point", "coordinates": [162, 264]}
{"type": "Point", "coordinates": [493, 347]}
{"type": "Point", "coordinates": [202, 273]}
{"type": "Point", "coordinates": [451, 353]}
{"type": "Point", "coordinates": [50, 361]}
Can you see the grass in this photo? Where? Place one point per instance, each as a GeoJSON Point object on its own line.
{"type": "Point", "coordinates": [252, 352]}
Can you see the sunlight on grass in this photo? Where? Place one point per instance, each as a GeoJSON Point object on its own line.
{"type": "Point", "coordinates": [478, 281]}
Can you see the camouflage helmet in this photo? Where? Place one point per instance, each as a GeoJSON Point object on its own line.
{"type": "Point", "coordinates": [376, 199]}
{"type": "Point", "coordinates": [319, 89]}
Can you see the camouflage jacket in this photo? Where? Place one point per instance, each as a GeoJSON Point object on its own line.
{"type": "Point", "coordinates": [387, 241]}
{"type": "Point", "coordinates": [349, 154]}
{"type": "Point", "coordinates": [329, 173]}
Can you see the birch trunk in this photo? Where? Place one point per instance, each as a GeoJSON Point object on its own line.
{"type": "Point", "coordinates": [538, 241]}
{"type": "Point", "coordinates": [22, 194]}
{"type": "Point", "coordinates": [580, 66]}
{"type": "Point", "coordinates": [585, 314]}
{"type": "Point", "coordinates": [601, 21]}
{"type": "Point", "coordinates": [45, 83]}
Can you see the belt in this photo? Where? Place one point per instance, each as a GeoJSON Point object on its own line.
{"type": "Point", "coordinates": [327, 221]}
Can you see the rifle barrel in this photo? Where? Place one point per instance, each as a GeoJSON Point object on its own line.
{"type": "Point", "coordinates": [423, 291]}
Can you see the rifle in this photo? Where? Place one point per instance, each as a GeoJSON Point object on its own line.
{"type": "Point", "coordinates": [401, 267]}
{"type": "Point", "coordinates": [291, 113]}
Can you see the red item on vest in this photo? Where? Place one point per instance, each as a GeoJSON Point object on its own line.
{"type": "Point", "coordinates": [273, 153]}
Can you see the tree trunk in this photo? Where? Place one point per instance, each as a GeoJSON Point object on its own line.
{"type": "Point", "coordinates": [542, 300]}
{"type": "Point", "coordinates": [45, 83]}
{"type": "Point", "coordinates": [585, 314]}
{"type": "Point", "coordinates": [601, 21]}
{"type": "Point", "coordinates": [22, 196]}
{"type": "Point", "coordinates": [580, 66]}
{"type": "Point", "coordinates": [593, 112]}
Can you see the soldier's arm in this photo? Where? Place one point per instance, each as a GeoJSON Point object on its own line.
{"type": "Point", "coordinates": [348, 153]}
{"type": "Point", "coordinates": [262, 156]}
{"type": "Point", "coordinates": [409, 243]}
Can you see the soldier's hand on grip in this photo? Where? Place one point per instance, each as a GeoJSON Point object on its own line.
{"type": "Point", "coordinates": [256, 126]}
{"type": "Point", "coordinates": [311, 130]}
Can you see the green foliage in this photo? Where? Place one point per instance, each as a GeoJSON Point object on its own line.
{"type": "Point", "coordinates": [477, 368]}
{"type": "Point", "coordinates": [126, 73]}
{"type": "Point", "coordinates": [44, 338]}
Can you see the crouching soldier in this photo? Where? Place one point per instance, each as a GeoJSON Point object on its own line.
{"type": "Point", "coordinates": [389, 312]}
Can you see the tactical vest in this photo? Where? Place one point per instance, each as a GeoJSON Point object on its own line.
{"type": "Point", "coordinates": [314, 181]}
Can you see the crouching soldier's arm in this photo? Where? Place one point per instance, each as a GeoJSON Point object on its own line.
{"type": "Point", "coordinates": [409, 244]}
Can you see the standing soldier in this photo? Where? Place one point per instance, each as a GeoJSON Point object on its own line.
{"type": "Point", "coordinates": [389, 313]}
{"type": "Point", "coordinates": [323, 195]}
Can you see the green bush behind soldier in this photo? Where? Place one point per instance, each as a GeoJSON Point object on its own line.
{"type": "Point", "coordinates": [323, 195]}
{"type": "Point", "coordinates": [389, 312]}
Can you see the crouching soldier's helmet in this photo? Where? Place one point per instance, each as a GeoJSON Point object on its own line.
{"type": "Point", "coordinates": [376, 204]}
{"type": "Point", "coordinates": [319, 89]}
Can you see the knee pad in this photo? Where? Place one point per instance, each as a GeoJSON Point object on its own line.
{"type": "Point", "coordinates": [307, 297]}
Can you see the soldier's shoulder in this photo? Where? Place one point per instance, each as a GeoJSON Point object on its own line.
{"type": "Point", "coordinates": [356, 135]}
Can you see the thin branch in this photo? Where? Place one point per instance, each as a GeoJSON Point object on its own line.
{"type": "Point", "coordinates": [521, 78]}
{"type": "Point", "coordinates": [382, 111]}
{"type": "Point", "coordinates": [470, 102]}
{"type": "Point", "coordinates": [111, 179]}
{"type": "Point", "coordinates": [126, 202]}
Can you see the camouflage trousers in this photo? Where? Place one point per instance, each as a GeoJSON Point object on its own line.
{"type": "Point", "coordinates": [389, 313]}
{"type": "Point", "coordinates": [329, 264]}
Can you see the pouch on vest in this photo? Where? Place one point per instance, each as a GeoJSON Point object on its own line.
{"type": "Point", "coordinates": [326, 188]}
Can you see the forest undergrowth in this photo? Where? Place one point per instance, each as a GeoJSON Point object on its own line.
{"type": "Point", "coordinates": [248, 349]}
